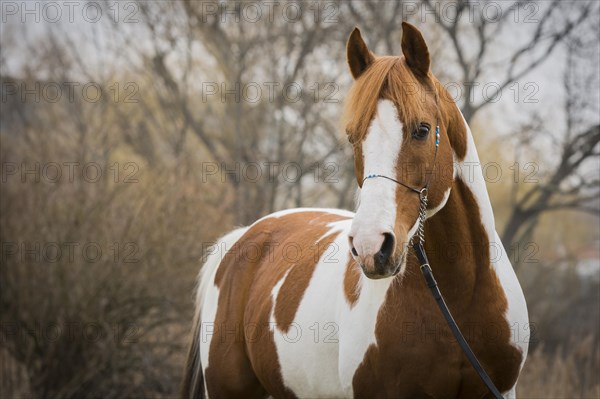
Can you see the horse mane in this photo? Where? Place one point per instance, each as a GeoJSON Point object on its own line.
{"type": "Point", "coordinates": [387, 77]}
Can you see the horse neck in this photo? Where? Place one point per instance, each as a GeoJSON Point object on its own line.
{"type": "Point", "coordinates": [457, 238]}
{"type": "Point", "coordinates": [470, 169]}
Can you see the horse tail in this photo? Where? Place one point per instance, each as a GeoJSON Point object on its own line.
{"type": "Point", "coordinates": [192, 386]}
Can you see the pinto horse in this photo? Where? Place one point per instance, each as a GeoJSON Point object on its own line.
{"type": "Point", "coordinates": [326, 303]}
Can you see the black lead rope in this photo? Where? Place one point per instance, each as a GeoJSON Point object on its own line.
{"type": "Point", "coordinates": [439, 299]}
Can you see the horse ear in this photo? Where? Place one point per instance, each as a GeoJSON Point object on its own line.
{"type": "Point", "coordinates": [359, 56]}
{"type": "Point", "coordinates": [415, 49]}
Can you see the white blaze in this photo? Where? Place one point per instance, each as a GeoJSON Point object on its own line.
{"type": "Point", "coordinates": [376, 212]}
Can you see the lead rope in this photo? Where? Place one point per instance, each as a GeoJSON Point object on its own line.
{"type": "Point", "coordinates": [435, 290]}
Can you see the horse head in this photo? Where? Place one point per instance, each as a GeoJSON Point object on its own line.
{"type": "Point", "coordinates": [400, 122]}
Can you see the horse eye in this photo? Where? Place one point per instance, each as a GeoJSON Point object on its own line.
{"type": "Point", "coordinates": [421, 132]}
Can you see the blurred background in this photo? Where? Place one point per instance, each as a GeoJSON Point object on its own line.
{"type": "Point", "coordinates": [133, 134]}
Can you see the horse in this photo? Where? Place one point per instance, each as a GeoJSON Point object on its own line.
{"type": "Point", "coordinates": [326, 303]}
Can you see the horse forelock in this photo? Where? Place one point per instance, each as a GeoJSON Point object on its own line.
{"type": "Point", "coordinates": [390, 78]}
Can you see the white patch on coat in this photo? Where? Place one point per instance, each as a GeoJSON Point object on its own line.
{"type": "Point", "coordinates": [357, 332]}
{"type": "Point", "coordinates": [309, 351]}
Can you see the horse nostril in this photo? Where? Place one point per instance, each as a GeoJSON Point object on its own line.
{"type": "Point", "coordinates": [386, 248]}
{"type": "Point", "coordinates": [354, 251]}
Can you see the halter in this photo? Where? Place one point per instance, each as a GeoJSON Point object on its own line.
{"type": "Point", "coordinates": [428, 273]}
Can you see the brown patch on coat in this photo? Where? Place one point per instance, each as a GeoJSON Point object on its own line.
{"type": "Point", "coordinates": [243, 359]}
{"type": "Point", "coordinates": [351, 282]}
{"type": "Point", "coordinates": [297, 281]}
{"type": "Point", "coordinates": [416, 353]}
{"type": "Point", "coordinates": [229, 373]}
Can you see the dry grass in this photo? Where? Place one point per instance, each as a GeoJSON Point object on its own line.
{"type": "Point", "coordinates": [566, 374]}
{"type": "Point", "coordinates": [82, 324]}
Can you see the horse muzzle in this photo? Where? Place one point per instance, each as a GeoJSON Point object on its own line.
{"type": "Point", "coordinates": [377, 254]}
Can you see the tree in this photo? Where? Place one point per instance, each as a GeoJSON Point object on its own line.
{"type": "Point", "coordinates": [572, 183]}
{"type": "Point", "coordinates": [239, 134]}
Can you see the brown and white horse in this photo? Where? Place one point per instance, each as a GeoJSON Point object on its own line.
{"type": "Point", "coordinates": [326, 303]}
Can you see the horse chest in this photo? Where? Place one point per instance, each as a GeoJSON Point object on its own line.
{"type": "Point", "coordinates": [417, 356]}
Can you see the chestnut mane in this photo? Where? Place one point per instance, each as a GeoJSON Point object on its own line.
{"type": "Point", "coordinates": [387, 77]}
